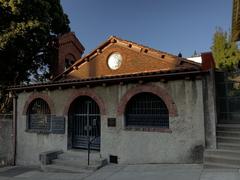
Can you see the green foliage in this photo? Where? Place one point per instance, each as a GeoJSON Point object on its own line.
{"type": "Point", "coordinates": [28, 29]}
{"type": "Point", "coordinates": [28, 32]}
{"type": "Point", "coordinates": [225, 52]}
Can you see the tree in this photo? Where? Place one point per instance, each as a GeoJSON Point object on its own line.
{"type": "Point", "coordinates": [28, 32]}
{"type": "Point", "coordinates": [225, 52]}
{"type": "Point", "coordinates": [236, 20]}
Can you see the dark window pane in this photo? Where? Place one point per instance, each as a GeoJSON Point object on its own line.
{"type": "Point", "coordinates": [147, 110]}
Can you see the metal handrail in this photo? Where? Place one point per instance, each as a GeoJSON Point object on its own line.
{"type": "Point", "coordinates": [89, 149]}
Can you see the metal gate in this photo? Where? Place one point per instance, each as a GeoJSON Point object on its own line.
{"type": "Point", "coordinates": [85, 124]}
{"type": "Point", "coordinates": [228, 97]}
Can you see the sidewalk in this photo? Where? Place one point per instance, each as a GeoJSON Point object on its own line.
{"type": "Point", "coordinates": [127, 172]}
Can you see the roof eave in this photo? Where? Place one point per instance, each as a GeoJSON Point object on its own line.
{"type": "Point", "coordinates": [110, 80]}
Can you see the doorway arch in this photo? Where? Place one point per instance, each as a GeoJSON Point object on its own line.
{"type": "Point", "coordinates": [84, 123]}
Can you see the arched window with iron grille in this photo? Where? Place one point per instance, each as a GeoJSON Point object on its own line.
{"type": "Point", "coordinates": [38, 115]}
{"type": "Point", "coordinates": [146, 110]}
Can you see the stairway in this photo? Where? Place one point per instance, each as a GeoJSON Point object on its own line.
{"type": "Point", "coordinates": [75, 161]}
{"type": "Point", "coordinates": [227, 154]}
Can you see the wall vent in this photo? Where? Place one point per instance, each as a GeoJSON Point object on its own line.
{"type": "Point", "coordinates": [113, 159]}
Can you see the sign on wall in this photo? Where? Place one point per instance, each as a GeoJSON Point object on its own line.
{"type": "Point", "coordinates": [58, 125]}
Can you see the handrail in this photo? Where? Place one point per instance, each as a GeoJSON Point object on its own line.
{"type": "Point", "coordinates": [89, 149]}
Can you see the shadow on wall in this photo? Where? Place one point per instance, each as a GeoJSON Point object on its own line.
{"type": "Point", "coordinates": [197, 154]}
{"type": "Point", "coordinates": [6, 140]}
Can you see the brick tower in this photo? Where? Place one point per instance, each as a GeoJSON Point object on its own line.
{"type": "Point", "coordinates": [69, 50]}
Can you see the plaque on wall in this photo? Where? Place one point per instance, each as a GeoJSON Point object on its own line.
{"type": "Point", "coordinates": [58, 125]}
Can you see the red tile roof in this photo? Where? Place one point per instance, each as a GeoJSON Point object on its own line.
{"type": "Point", "coordinates": [175, 67]}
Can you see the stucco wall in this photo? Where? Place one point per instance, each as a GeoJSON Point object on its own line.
{"type": "Point", "coordinates": [210, 112]}
{"type": "Point", "coordinates": [182, 144]}
{"type": "Point", "coordinates": [30, 145]}
{"type": "Point", "coordinates": [6, 143]}
{"type": "Point", "coordinates": [178, 146]}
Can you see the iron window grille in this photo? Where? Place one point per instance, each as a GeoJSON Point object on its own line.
{"type": "Point", "coordinates": [39, 116]}
{"type": "Point", "coordinates": [146, 110]}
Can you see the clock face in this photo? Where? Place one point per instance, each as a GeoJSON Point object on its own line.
{"type": "Point", "coordinates": [114, 61]}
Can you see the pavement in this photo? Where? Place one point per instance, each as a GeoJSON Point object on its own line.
{"type": "Point", "coordinates": [125, 172]}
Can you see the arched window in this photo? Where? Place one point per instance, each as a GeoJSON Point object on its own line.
{"type": "Point", "coordinates": [146, 110]}
{"type": "Point", "coordinates": [38, 115]}
{"type": "Point", "coordinates": [69, 61]}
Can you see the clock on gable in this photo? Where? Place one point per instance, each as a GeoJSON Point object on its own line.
{"type": "Point", "coordinates": [114, 61]}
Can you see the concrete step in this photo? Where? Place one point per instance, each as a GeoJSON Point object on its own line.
{"type": "Point", "coordinates": [220, 158]}
{"type": "Point", "coordinates": [220, 165]}
{"type": "Point", "coordinates": [64, 169]}
{"type": "Point", "coordinates": [228, 146]}
{"type": "Point", "coordinates": [76, 161]}
{"type": "Point", "coordinates": [79, 155]}
{"type": "Point", "coordinates": [224, 139]}
{"type": "Point", "coordinates": [229, 133]}
{"type": "Point", "coordinates": [222, 152]}
{"type": "Point", "coordinates": [228, 127]}
{"type": "Point", "coordinates": [224, 160]}
{"type": "Point", "coordinates": [93, 165]}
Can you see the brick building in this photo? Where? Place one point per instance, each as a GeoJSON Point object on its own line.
{"type": "Point", "coordinates": [134, 103]}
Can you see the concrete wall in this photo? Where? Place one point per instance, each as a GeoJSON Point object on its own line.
{"type": "Point", "coordinates": [182, 143]}
{"type": "Point", "coordinates": [6, 143]}
{"type": "Point", "coordinates": [210, 112]}
{"type": "Point", "coordinates": [30, 145]}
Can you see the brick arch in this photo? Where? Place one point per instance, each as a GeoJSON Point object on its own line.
{"type": "Point", "coordinates": [85, 92]}
{"type": "Point", "coordinates": [159, 91]}
{"type": "Point", "coordinates": [34, 96]}
{"type": "Point", "coordinates": [70, 55]}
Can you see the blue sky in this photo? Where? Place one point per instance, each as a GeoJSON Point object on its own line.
{"type": "Point", "coordinates": [172, 26]}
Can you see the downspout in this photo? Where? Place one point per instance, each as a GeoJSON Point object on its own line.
{"type": "Point", "coordinates": [14, 128]}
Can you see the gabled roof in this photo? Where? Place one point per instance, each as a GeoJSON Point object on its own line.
{"type": "Point", "coordinates": [168, 67]}
{"type": "Point", "coordinates": [168, 61]}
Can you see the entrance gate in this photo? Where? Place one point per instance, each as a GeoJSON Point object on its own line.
{"type": "Point", "coordinates": [228, 97]}
{"type": "Point", "coordinates": [85, 117]}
